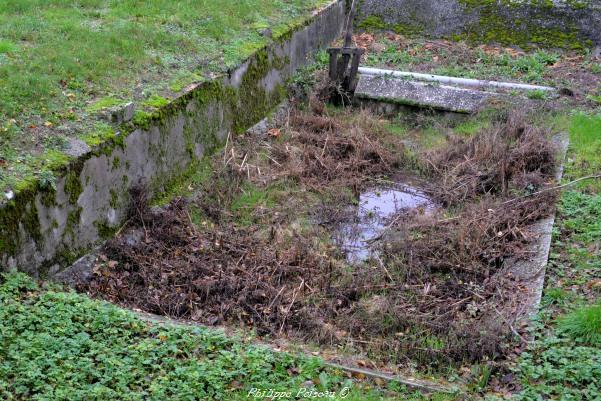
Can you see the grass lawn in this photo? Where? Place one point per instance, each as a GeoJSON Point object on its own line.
{"type": "Point", "coordinates": [61, 61]}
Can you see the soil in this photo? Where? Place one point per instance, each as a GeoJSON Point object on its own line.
{"type": "Point", "coordinates": [254, 247]}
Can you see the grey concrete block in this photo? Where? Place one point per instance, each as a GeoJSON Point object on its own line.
{"type": "Point", "coordinates": [419, 94]}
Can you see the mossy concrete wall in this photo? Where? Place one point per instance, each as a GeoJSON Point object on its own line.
{"type": "Point", "coordinates": [546, 23]}
{"type": "Point", "coordinates": [43, 230]}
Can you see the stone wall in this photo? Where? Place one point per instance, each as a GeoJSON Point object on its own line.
{"type": "Point", "coordinates": [43, 230]}
{"type": "Point", "coordinates": [548, 23]}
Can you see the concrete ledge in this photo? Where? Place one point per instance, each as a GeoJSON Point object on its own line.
{"type": "Point", "coordinates": [42, 230]}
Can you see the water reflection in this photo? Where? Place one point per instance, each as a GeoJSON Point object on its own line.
{"type": "Point", "coordinates": [375, 210]}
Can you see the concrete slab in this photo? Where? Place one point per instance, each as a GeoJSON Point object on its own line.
{"type": "Point", "coordinates": [421, 94]}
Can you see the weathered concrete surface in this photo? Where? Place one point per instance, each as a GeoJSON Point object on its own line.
{"type": "Point", "coordinates": [43, 230]}
{"type": "Point", "coordinates": [419, 94]}
{"type": "Point", "coordinates": [563, 23]}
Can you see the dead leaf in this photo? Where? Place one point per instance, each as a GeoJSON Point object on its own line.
{"type": "Point", "coordinates": [274, 132]}
{"type": "Point", "coordinates": [380, 382]}
{"type": "Point", "coordinates": [359, 376]}
{"type": "Point", "coordinates": [363, 40]}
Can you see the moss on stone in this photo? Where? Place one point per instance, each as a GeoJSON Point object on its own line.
{"type": "Point", "coordinates": [73, 187]}
{"type": "Point", "coordinates": [48, 197]}
{"type": "Point", "coordinates": [116, 163]}
{"type": "Point", "coordinates": [104, 103]}
{"type": "Point", "coordinates": [252, 92]}
{"type": "Point", "coordinates": [156, 102]}
{"type": "Point", "coordinates": [498, 26]}
{"type": "Point", "coordinates": [373, 22]}
{"type": "Point", "coordinates": [73, 218]}
{"type": "Point", "coordinates": [114, 200]}
{"type": "Point", "coordinates": [18, 213]}
{"type": "Point", "coordinates": [105, 230]}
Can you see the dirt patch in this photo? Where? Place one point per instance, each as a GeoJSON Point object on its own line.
{"type": "Point", "coordinates": [254, 248]}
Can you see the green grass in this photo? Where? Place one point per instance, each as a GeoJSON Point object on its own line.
{"type": "Point", "coordinates": [583, 325]}
{"type": "Point", "coordinates": [61, 61]}
{"type": "Point", "coordinates": [537, 94]}
{"type": "Point", "coordinates": [585, 142]}
{"type": "Point", "coordinates": [250, 199]}
{"type": "Point", "coordinates": [59, 345]}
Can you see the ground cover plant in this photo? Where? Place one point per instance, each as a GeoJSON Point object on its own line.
{"type": "Point", "coordinates": [62, 62]}
{"type": "Point", "coordinates": [63, 346]}
{"type": "Point", "coordinates": [254, 247]}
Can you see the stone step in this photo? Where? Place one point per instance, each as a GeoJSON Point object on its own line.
{"type": "Point", "coordinates": [422, 94]}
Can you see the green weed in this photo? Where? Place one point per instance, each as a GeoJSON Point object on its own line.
{"type": "Point", "coordinates": [537, 94]}
{"type": "Point", "coordinates": [595, 98]}
{"type": "Point", "coordinates": [585, 141]}
{"type": "Point", "coordinates": [472, 126]}
{"type": "Point", "coordinates": [250, 199]}
{"type": "Point", "coordinates": [583, 325]}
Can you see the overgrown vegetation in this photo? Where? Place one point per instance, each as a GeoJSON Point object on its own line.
{"type": "Point", "coordinates": [578, 72]}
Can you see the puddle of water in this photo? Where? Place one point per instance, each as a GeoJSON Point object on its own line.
{"type": "Point", "coordinates": [374, 211]}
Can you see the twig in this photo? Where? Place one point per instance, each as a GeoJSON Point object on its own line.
{"type": "Point", "coordinates": [276, 297]}
{"type": "Point", "coordinates": [589, 177]}
{"type": "Point", "coordinates": [513, 330]}
{"type": "Point", "coordinates": [384, 267]}
{"type": "Point", "coordinates": [411, 383]}
{"type": "Point", "coordinates": [227, 140]}
{"type": "Point", "coordinates": [325, 145]}
{"type": "Point", "coordinates": [291, 303]}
